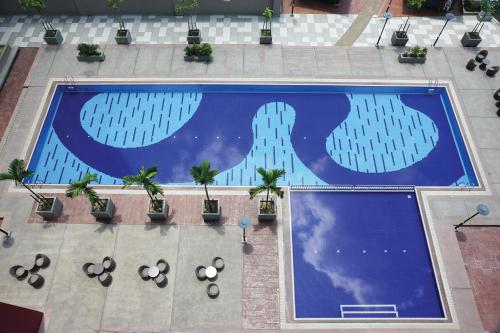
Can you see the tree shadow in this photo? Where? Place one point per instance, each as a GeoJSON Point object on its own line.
{"type": "Point", "coordinates": [247, 248]}
{"type": "Point", "coordinates": [106, 226]}
{"type": "Point", "coordinates": [272, 226]}
{"type": "Point", "coordinates": [461, 237]}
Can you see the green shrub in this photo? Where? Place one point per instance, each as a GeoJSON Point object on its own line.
{"type": "Point", "coordinates": [85, 49]}
{"type": "Point", "coordinates": [205, 49]}
{"type": "Point", "coordinates": [416, 52]}
{"type": "Point", "coordinates": [196, 50]}
{"type": "Point", "coordinates": [37, 5]}
{"type": "Point", "coordinates": [416, 4]}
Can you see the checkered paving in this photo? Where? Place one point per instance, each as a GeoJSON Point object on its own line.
{"type": "Point", "coordinates": [302, 29]}
{"type": "Point", "coordinates": [424, 30]}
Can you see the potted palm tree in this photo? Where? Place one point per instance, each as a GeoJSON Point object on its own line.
{"type": "Point", "coordinates": [400, 36]}
{"type": "Point", "coordinates": [267, 208]}
{"type": "Point", "coordinates": [203, 175]}
{"type": "Point", "coordinates": [52, 35]}
{"type": "Point", "coordinates": [188, 7]}
{"type": "Point", "coordinates": [157, 208]}
{"type": "Point", "coordinates": [473, 38]}
{"type": "Point", "coordinates": [48, 207]}
{"type": "Point", "coordinates": [123, 35]}
{"type": "Point", "coordinates": [101, 209]}
{"type": "Point", "coordinates": [265, 33]}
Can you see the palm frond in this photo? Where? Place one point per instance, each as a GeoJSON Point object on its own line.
{"type": "Point", "coordinates": [256, 190]}
{"type": "Point", "coordinates": [202, 174]}
{"type": "Point", "coordinates": [16, 172]}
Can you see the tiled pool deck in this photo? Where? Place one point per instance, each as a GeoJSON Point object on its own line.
{"type": "Point", "coordinates": [249, 284]}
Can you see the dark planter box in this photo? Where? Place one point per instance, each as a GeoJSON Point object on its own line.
{"type": "Point", "coordinates": [198, 58]}
{"type": "Point", "coordinates": [398, 41]}
{"type": "Point", "coordinates": [265, 38]}
{"type": "Point", "coordinates": [194, 37]}
{"type": "Point", "coordinates": [266, 216]}
{"type": "Point", "coordinates": [469, 40]}
{"type": "Point", "coordinates": [159, 216]}
{"type": "Point", "coordinates": [123, 38]}
{"type": "Point", "coordinates": [53, 212]}
{"type": "Point", "coordinates": [107, 213]}
{"type": "Point", "coordinates": [92, 58]}
{"type": "Point", "coordinates": [411, 60]}
{"type": "Point", "coordinates": [210, 217]}
{"type": "Point", "coordinates": [53, 39]}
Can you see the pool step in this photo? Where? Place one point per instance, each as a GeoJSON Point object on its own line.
{"type": "Point", "coordinates": [369, 311]}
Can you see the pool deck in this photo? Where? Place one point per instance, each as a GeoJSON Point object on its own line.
{"type": "Point", "coordinates": [250, 293]}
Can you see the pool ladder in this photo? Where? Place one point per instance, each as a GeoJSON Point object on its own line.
{"type": "Point", "coordinates": [69, 82]}
{"type": "Point", "coordinates": [432, 85]}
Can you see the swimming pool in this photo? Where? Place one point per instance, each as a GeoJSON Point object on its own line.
{"type": "Point", "coordinates": [361, 255]}
{"type": "Point", "coordinates": [320, 134]}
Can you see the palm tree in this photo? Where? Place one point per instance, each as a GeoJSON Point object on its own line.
{"type": "Point", "coordinates": [81, 187]}
{"type": "Point", "coordinates": [144, 178]}
{"type": "Point", "coordinates": [269, 180]}
{"type": "Point", "coordinates": [204, 176]}
{"type": "Point", "coordinates": [17, 172]}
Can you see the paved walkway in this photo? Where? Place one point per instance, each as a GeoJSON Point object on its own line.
{"type": "Point", "coordinates": [13, 86]}
{"type": "Point", "coordinates": [360, 23]}
{"type": "Point", "coordinates": [481, 252]}
{"type": "Point", "coordinates": [302, 29]}
{"type": "Point", "coordinates": [424, 30]}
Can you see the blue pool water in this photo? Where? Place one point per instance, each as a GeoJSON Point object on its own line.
{"type": "Point", "coordinates": [361, 255]}
{"type": "Point", "coordinates": [318, 134]}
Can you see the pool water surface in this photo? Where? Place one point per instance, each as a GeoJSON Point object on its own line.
{"type": "Point", "coordinates": [323, 134]}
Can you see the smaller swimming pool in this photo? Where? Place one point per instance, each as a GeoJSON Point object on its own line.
{"type": "Point", "coordinates": [361, 255]}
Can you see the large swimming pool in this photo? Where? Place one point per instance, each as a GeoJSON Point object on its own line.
{"type": "Point", "coordinates": [320, 134]}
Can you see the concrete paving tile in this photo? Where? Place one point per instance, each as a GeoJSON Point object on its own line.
{"type": "Point", "coordinates": [366, 62]}
{"type": "Point", "coordinates": [120, 61]}
{"type": "Point", "coordinates": [154, 61]}
{"type": "Point", "coordinates": [263, 61]}
{"type": "Point", "coordinates": [131, 303]}
{"type": "Point", "coordinates": [192, 306]}
{"type": "Point", "coordinates": [299, 61]}
{"type": "Point", "coordinates": [227, 61]}
{"type": "Point", "coordinates": [332, 62]}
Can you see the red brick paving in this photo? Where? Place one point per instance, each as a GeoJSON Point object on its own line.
{"type": "Point", "coordinates": [260, 298]}
{"type": "Point", "coordinates": [481, 252]}
{"type": "Point", "coordinates": [131, 209]}
{"type": "Point", "coordinates": [322, 7]}
{"type": "Point", "coordinates": [399, 8]}
{"type": "Point", "coordinates": [13, 86]}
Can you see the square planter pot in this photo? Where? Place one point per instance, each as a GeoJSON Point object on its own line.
{"type": "Point", "coordinates": [210, 217]}
{"type": "Point", "coordinates": [194, 37]}
{"type": "Point", "coordinates": [123, 37]}
{"type": "Point", "coordinates": [91, 58]}
{"type": "Point", "coordinates": [265, 37]}
{"type": "Point", "coordinates": [411, 60]}
{"type": "Point", "coordinates": [158, 216]}
{"type": "Point", "coordinates": [265, 216]}
{"type": "Point", "coordinates": [398, 41]}
{"type": "Point", "coordinates": [53, 37]}
{"type": "Point", "coordinates": [470, 39]}
{"type": "Point", "coordinates": [107, 213]}
{"type": "Point", "coordinates": [53, 212]}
